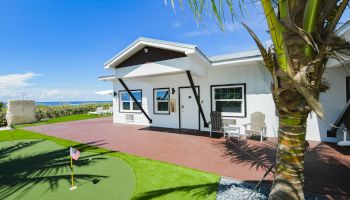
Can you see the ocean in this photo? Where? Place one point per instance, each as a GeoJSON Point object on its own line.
{"type": "Point", "coordinates": [75, 103]}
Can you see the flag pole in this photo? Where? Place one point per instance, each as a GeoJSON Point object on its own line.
{"type": "Point", "coordinates": [72, 175]}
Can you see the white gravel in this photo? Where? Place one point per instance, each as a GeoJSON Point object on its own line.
{"type": "Point", "coordinates": [230, 189]}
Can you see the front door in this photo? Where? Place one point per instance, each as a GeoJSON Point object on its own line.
{"type": "Point", "coordinates": [189, 113]}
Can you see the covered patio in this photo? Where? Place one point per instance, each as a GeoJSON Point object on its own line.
{"type": "Point", "coordinates": [327, 166]}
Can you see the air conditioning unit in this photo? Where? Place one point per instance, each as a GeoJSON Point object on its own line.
{"type": "Point", "coordinates": [129, 117]}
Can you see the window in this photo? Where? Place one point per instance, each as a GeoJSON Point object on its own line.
{"type": "Point", "coordinates": [127, 104]}
{"type": "Point", "coordinates": [161, 100]}
{"type": "Point", "coordinates": [229, 99]}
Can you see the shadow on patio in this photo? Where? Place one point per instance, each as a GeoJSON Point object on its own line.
{"type": "Point", "coordinates": [19, 174]}
{"type": "Point", "coordinates": [181, 131]}
{"type": "Point", "coordinates": [327, 171]}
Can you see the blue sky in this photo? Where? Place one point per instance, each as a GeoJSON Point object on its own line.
{"type": "Point", "coordinates": [54, 50]}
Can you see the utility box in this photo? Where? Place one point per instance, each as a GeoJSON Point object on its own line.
{"type": "Point", "coordinates": [20, 112]}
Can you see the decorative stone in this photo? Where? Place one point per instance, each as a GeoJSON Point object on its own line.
{"type": "Point", "coordinates": [20, 112]}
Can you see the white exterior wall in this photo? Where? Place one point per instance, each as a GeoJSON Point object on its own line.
{"type": "Point", "coordinates": [258, 95]}
{"type": "Point", "coordinates": [333, 102]}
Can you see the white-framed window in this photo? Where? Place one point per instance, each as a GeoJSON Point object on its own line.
{"type": "Point", "coordinates": [229, 99]}
{"type": "Point", "coordinates": [161, 98]}
{"type": "Point", "coordinates": [126, 104]}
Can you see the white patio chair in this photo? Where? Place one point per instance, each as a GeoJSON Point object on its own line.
{"type": "Point", "coordinates": [231, 129]}
{"type": "Point", "coordinates": [99, 111]}
{"type": "Point", "coordinates": [256, 126]}
{"type": "Point", "coordinates": [108, 111]}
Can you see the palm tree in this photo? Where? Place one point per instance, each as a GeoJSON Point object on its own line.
{"type": "Point", "coordinates": [303, 36]}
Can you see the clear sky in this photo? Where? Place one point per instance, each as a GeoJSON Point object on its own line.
{"type": "Point", "coordinates": [54, 50]}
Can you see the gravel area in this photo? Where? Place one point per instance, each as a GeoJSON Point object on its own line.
{"type": "Point", "coordinates": [230, 189]}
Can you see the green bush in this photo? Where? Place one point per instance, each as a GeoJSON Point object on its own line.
{"type": "Point", "coordinates": [49, 112]}
{"type": "Point", "coordinates": [3, 121]}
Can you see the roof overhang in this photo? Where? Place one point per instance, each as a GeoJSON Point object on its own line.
{"type": "Point", "coordinates": [107, 78]}
{"type": "Point", "coordinates": [189, 50]}
{"type": "Point", "coordinates": [240, 61]}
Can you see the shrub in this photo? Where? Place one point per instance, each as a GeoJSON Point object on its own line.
{"type": "Point", "coordinates": [3, 121]}
{"type": "Point", "coordinates": [49, 112]}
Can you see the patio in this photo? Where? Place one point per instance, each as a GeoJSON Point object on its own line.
{"type": "Point", "coordinates": [327, 166]}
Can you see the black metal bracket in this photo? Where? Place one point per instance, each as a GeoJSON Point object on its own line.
{"type": "Point", "coordinates": [197, 98]}
{"type": "Point", "coordinates": [342, 117]}
{"type": "Point", "coordinates": [135, 100]}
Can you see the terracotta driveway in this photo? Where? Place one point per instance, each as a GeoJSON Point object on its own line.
{"type": "Point", "coordinates": [327, 167]}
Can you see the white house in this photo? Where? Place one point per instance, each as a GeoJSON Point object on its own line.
{"type": "Point", "coordinates": [159, 75]}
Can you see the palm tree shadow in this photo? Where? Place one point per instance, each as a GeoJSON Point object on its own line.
{"type": "Point", "coordinates": [327, 166]}
{"type": "Point", "coordinates": [21, 173]}
{"type": "Point", "coordinates": [253, 155]}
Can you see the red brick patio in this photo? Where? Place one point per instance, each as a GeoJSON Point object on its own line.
{"type": "Point", "coordinates": [327, 166]}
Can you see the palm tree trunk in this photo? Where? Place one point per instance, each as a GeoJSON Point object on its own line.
{"type": "Point", "coordinates": [289, 180]}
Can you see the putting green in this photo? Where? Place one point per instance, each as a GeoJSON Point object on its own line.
{"type": "Point", "coordinates": [39, 169]}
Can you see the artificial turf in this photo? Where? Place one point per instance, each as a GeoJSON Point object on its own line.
{"type": "Point", "coordinates": [40, 169]}
{"type": "Point", "coordinates": [62, 119]}
{"type": "Point", "coordinates": [154, 179]}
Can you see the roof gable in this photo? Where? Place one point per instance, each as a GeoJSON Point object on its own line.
{"type": "Point", "coordinates": [141, 43]}
{"type": "Point", "coordinates": [150, 54]}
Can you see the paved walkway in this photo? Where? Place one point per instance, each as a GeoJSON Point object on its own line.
{"type": "Point", "coordinates": [327, 167]}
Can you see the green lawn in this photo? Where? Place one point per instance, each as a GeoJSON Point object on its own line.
{"type": "Point", "coordinates": [44, 173]}
{"type": "Point", "coordinates": [62, 119]}
{"type": "Point", "coordinates": [154, 179]}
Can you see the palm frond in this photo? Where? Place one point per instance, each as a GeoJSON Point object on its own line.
{"type": "Point", "coordinates": [266, 56]}
{"type": "Point", "coordinates": [217, 7]}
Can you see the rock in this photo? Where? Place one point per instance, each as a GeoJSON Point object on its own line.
{"type": "Point", "coordinates": [20, 112]}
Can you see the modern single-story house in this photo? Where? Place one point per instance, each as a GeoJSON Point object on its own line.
{"type": "Point", "coordinates": [178, 86]}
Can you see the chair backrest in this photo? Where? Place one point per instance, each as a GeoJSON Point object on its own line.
{"type": "Point", "coordinates": [216, 120]}
{"type": "Point", "coordinates": [257, 121]}
{"type": "Point", "coordinates": [99, 109]}
{"type": "Point", "coordinates": [228, 122]}
{"type": "Point", "coordinates": [110, 109]}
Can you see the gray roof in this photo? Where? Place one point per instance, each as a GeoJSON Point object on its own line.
{"type": "Point", "coordinates": [256, 53]}
{"type": "Point", "coordinates": [218, 58]}
{"type": "Point", "coordinates": [236, 56]}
